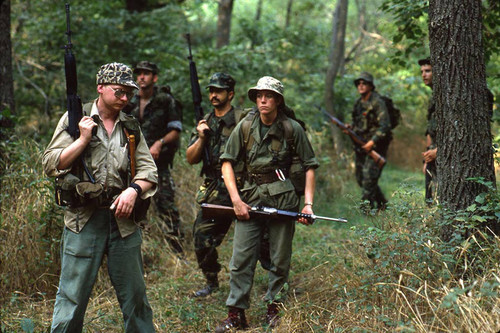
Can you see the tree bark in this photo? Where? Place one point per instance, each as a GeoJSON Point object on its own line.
{"type": "Point", "coordinates": [6, 81]}
{"type": "Point", "coordinates": [224, 22]}
{"type": "Point", "coordinates": [336, 58]}
{"type": "Point", "coordinates": [288, 13]}
{"type": "Point", "coordinates": [459, 85]}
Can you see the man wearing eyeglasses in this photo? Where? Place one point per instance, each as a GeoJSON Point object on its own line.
{"type": "Point", "coordinates": [103, 222]}
{"type": "Point", "coordinates": [371, 121]}
{"type": "Point", "coordinates": [160, 116]}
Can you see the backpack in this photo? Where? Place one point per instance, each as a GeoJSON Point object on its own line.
{"type": "Point", "coordinates": [394, 113]}
{"type": "Point", "coordinates": [297, 172]}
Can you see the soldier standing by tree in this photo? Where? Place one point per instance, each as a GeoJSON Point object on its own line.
{"type": "Point", "coordinates": [430, 153]}
{"type": "Point", "coordinates": [371, 121]}
{"type": "Point", "coordinates": [267, 162]}
{"type": "Point", "coordinates": [160, 116]}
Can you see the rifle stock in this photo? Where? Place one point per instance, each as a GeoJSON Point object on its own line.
{"type": "Point", "coordinates": [379, 159]}
{"type": "Point", "coordinates": [215, 211]}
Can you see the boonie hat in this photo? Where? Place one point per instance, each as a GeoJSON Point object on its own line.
{"type": "Point", "coordinates": [222, 81]}
{"type": "Point", "coordinates": [365, 76]}
{"type": "Point", "coordinates": [146, 65]}
{"type": "Point", "coordinates": [425, 61]}
{"type": "Point", "coordinates": [116, 73]}
{"type": "Point", "coordinates": [266, 83]}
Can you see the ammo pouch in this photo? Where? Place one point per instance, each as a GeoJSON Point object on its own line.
{"type": "Point", "coordinates": [297, 175]}
{"type": "Point", "coordinates": [207, 191]}
{"type": "Point", "coordinates": [65, 191]}
{"type": "Point", "coordinates": [140, 210]}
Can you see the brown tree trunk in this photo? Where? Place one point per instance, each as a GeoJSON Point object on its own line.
{"type": "Point", "coordinates": [459, 86]}
{"type": "Point", "coordinates": [336, 58]}
{"type": "Point", "coordinates": [224, 22]}
{"type": "Point", "coordinates": [288, 13]}
{"type": "Point", "coordinates": [259, 11]}
{"type": "Point", "coordinates": [6, 82]}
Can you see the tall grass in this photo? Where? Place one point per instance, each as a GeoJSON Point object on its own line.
{"type": "Point", "coordinates": [383, 272]}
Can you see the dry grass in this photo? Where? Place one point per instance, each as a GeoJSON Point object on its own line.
{"type": "Point", "coordinates": [336, 285]}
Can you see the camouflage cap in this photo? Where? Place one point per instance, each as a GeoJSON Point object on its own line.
{"type": "Point", "coordinates": [116, 73]}
{"type": "Point", "coordinates": [365, 76]}
{"type": "Point", "coordinates": [425, 61]}
{"type": "Point", "coordinates": [266, 83]}
{"type": "Point", "coordinates": [146, 65]}
{"type": "Point", "coordinates": [221, 80]}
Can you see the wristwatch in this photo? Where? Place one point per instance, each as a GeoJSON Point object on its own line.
{"type": "Point", "coordinates": [162, 141]}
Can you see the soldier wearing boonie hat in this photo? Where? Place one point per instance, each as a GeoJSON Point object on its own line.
{"type": "Point", "coordinates": [114, 231]}
{"type": "Point", "coordinates": [263, 144]}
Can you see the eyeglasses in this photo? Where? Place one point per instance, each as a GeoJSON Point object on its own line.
{"type": "Point", "coordinates": [119, 93]}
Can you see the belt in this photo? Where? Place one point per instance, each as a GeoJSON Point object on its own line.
{"type": "Point", "coordinates": [106, 198]}
{"type": "Point", "coordinates": [268, 177]}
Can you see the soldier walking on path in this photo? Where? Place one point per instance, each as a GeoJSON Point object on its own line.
{"type": "Point", "coordinates": [160, 116]}
{"type": "Point", "coordinates": [267, 162]}
{"type": "Point", "coordinates": [212, 133]}
{"type": "Point", "coordinates": [371, 121]}
{"type": "Point", "coordinates": [92, 230]}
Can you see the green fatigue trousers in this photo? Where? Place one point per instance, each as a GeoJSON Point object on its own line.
{"type": "Point", "coordinates": [81, 257]}
{"type": "Point", "coordinates": [164, 200]}
{"type": "Point", "coordinates": [367, 175]}
{"type": "Point", "coordinates": [246, 251]}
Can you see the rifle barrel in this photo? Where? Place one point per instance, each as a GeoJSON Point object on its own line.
{"type": "Point", "coordinates": [326, 218]}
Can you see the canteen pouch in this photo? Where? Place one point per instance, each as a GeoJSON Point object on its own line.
{"type": "Point", "coordinates": [65, 191]}
{"type": "Point", "coordinates": [298, 175]}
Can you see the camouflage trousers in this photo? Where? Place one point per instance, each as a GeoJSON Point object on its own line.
{"type": "Point", "coordinates": [166, 208]}
{"type": "Point", "coordinates": [367, 176]}
{"type": "Point", "coordinates": [431, 183]}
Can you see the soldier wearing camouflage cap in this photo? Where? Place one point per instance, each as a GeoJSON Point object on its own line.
{"type": "Point", "coordinates": [371, 121]}
{"type": "Point", "coordinates": [160, 116]}
{"type": "Point", "coordinates": [267, 158]}
{"type": "Point", "coordinates": [92, 229]}
{"type": "Point", "coordinates": [211, 133]}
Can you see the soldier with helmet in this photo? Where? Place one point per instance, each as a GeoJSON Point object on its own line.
{"type": "Point", "coordinates": [266, 168]}
{"type": "Point", "coordinates": [92, 230]}
{"type": "Point", "coordinates": [160, 116]}
{"type": "Point", "coordinates": [371, 121]}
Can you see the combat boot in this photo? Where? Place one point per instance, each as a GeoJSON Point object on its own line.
{"type": "Point", "coordinates": [235, 320]}
{"type": "Point", "coordinates": [272, 315]}
{"type": "Point", "coordinates": [212, 285]}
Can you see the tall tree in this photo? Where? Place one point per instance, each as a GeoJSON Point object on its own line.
{"type": "Point", "coordinates": [6, 82]}
{"type": "Point", "coordinates": [336, 58]}
{"type": "Point", "coordinates": [288, 13]}
{"type": "Point", "coordinates": [224, 22]}
{"type": "Point", "coordinates": [462, 113]}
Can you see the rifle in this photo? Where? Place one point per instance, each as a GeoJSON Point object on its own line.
{"type": "Point", "coordinates": [198, 110]}
{"type": "Point", "coordinates": [379, 159]}
{"type": "Point", "coordinates": [213, 211]}
{"type": "Point", "coordinates": [74, 103]}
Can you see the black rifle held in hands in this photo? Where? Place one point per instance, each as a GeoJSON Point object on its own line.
{"type": "Point", "coordinates": [196, 93]}
{"type": "Point", "coordinates": [379, 160]}
{"type": "Point", "coordinates": [214, 211]}
{"type": "Point", "coordinates": [74, 102]}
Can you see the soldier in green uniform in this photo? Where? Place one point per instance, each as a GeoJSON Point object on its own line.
{"type": "Point", "coordinates": [267, 162]}
{"type": "Point", "coordinates": [160, 116]}
{"type": "Point", "coordinates": [430, 154]}
{"type": "Point", "coordinates": [371, 121]}
{"type": "Point", "coordinates": [92, 230]}
{"type": "Point", "coordinates": [211, 134]}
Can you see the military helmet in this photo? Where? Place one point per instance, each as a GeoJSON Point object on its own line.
{"type": "Point", "coordinates": [266, 83]}
{"type": "Point", "coordinates": [425, 61]}
{"type": "Point", "coordinates": [222, 81]}
{"type": "Point", "coordinates": [365, 76]}
{"type": "Point", "coordinates": [116, 73]}
{"type": "Point", "coordinates": [146, 65]}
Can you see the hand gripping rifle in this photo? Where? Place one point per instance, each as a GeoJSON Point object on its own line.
{"type": "Point", "coordinates": [379, 159]}
{"type": "Point", "coordinates": [214, 211]}
{"type": "Point", "coordinates": [198, 110]}
{"type": "Point", "coordinates": [74, 102]}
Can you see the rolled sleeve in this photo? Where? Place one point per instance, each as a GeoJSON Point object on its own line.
{"type": "Point", "coordinates": [304, 148]}
{"type": "Point", "coordinates": [145, 167]}
{"type": "Point", "coordinates": [52, 154]}
{"type": "Point", "coordinates": [175, 125]}
{"type": "Point", "coordinates": [234, 145]}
